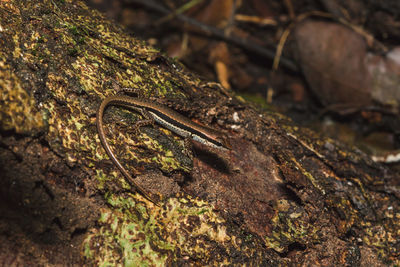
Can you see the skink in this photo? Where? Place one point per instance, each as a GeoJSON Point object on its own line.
{"type": "Point", "coordinates": [166, 117]}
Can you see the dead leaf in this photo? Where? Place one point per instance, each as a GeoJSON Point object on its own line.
{"type": "Point", "coordinates": [332, 58]}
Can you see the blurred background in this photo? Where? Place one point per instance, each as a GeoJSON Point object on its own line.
{"type": "Point", "coordinates": [330, 65]}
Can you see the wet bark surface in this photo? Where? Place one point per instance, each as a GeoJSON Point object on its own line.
{"type": "Point", "coordinates": [282, 195]}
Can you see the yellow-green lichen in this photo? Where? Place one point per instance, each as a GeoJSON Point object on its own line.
{"type": "Point", "coordinates": [381, 239]}
{"type": "Point", "coordinates": [112, 177]}
{"type": "Point", "coordinates": [17, 106]}
{"type": "Point", "coordinates": [289, 225]}
{"type": "Point", "coordinates": [154, 237]}
{"type": "Point", "coordinates": [182, 231]}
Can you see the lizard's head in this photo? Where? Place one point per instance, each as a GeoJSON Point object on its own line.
{"type": "Point", "coordinates": [224, 142]}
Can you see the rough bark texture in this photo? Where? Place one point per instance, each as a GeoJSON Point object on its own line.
{"type": "Point", "coordinates": [283, 195]}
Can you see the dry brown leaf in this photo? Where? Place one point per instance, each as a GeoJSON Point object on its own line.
{"type": "Point", "coordinates": [340, 70]}
{"type": "Point", "coordinates": [332, 58]}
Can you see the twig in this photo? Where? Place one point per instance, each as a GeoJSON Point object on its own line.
{"type": "Point", "coordinates": [212, 31]}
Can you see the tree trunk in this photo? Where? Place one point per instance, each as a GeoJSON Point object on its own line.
{"type": "Point", "coordinates": [282, 195]}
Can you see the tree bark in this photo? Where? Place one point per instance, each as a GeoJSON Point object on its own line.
{"type": "Point", "coordinates": [283, 195]}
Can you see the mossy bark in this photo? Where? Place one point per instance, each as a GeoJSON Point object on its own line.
{"type": "Point", "coordinates": [283, 195]}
